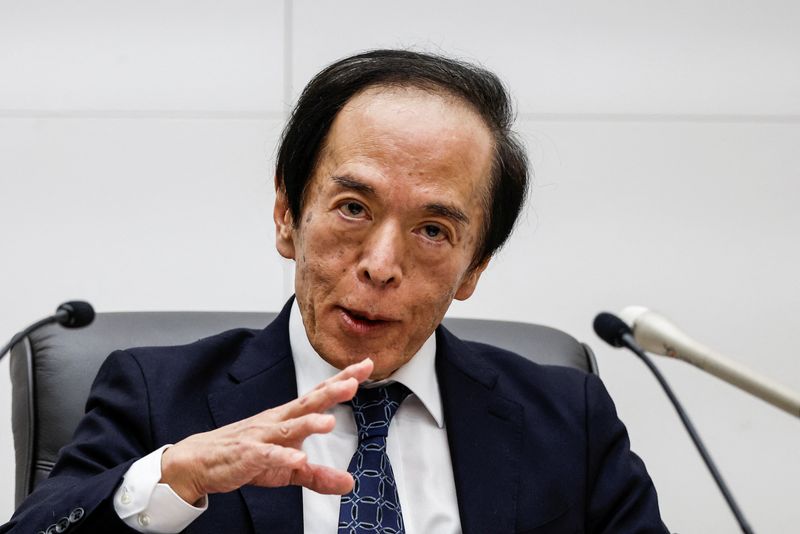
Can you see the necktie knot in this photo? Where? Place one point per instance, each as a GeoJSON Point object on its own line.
{"type": "Point", "coordinates": [373, 409]}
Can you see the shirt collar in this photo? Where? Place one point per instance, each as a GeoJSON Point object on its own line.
{"type": "Point", "coordinates": [418, 374]}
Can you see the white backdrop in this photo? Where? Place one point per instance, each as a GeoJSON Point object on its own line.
{"type": "Point", "coordinates": [136, 152]}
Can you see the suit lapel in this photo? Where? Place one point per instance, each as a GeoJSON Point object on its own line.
{"type": "Point", "coordinates": [263, 377]}
{"type": "Point", "coordinates": [484, 431]}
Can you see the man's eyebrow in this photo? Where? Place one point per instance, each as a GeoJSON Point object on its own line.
{"type": "Point", "coordinates": [355, 185]}
{"type": "Point", "coordinates": [451, 212]}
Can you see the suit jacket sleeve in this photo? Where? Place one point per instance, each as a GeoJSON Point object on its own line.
{"type": "Point", "coordinates": [113, 434]}
{"type": "Point", "coordinates": [621, 496]}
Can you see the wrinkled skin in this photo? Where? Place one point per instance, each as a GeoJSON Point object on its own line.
{"type": "Point", "coordinates": [389, 229]}
{"type": "Point", "coordinates": [379, 253]}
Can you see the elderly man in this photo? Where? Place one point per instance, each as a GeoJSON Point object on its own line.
{"type": "Point", "coordinates": [397, 179]}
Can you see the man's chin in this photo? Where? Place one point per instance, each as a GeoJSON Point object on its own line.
{"type": "Point", "coordinates": [341, 357]}
{"type": "Point", "coordinates": [385, 364]}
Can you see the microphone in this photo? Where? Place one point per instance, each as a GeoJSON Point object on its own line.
{"type": "Point", "coordinates": [657, 334]}
{"type": "Point", "coordinates": [616, 333]}
{"type": "Point", "coordinates": [75, 314]}
{"type": "Point", "coordinates": [72, 314]}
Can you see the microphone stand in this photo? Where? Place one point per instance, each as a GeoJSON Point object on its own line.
{"type": "Point", "coordinates": [629, 341]}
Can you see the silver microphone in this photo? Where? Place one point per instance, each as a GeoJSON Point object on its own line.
{"type": "Point", "coordinates": [657, 334]}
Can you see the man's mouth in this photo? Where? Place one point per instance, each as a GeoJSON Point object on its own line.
{"type": "Point", "coordinates": [364, 322]}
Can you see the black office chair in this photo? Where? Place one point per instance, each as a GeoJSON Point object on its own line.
{"type": "Point", "coordinates": [52, 370]}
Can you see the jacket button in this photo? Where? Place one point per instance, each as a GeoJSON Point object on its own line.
{"type": "Point", "coordinates": [75, 515]}
{"type": "Point", "coordinates": [62, 525]}
{"type": "Point", "coordinates": [51, 530]}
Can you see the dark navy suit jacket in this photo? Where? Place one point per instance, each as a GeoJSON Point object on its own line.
{"type": "Point", "coordinates": [535, 449]}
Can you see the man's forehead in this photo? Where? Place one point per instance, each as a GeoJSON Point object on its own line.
{"type": "Point", "coordinates": [407, 100]}
{"type": "Point", "coordinates": [411, 124]}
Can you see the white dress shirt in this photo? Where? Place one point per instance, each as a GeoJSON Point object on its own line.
{"type": "Point", "coordinates": [417, 449]}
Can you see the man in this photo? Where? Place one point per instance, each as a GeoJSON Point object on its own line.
{"type": "Point", "coordinates": [397, 179]}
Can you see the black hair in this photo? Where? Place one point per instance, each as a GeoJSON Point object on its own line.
{"type": "Point", "coordinates": [327, 93]}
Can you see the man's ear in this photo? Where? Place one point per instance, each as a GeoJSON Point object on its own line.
{"type": "Point", "coordinates": [284, 225]}
{"type": "Point", "coordinates": [467, 287]}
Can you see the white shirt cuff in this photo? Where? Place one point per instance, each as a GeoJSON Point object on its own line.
{"type": "Point", "coordinates": [147, 506]}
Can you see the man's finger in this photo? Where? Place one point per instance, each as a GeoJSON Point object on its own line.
{"type": "Point", "coordinates": [318, 400]}
{"type": "Point", "coordinates": [336, 390]}
{"type": "Point", "coordinates": [297, 429]}
{"type": "Point", "coordinates": [323, 479]}
{"type": "Point", "coordinates": [360, 371]}
{"type": "Point", "coordinates": [277, 456]}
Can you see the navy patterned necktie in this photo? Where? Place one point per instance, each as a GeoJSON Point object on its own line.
{"type": "Point", "coordinates": [373, 505]}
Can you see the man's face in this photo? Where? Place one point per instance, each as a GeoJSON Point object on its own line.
{"type": "Point", "coordinates": [390, 225]}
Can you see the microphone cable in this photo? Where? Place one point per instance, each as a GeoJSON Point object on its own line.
{"type": "Point", "coordinates": [616, 333]}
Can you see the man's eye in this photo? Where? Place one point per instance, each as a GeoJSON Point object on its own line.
{"type": "Point", "coordinates": [434, 232]}
{"type": "Point", "coordinates": [352, 209]}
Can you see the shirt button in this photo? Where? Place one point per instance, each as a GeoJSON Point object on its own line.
{"type": "Point", "coordinates": [76, 515]}
{"type": "Point", "coordinates": [144, 520]}
{"type": "Point", "coordinates": [125, 498]}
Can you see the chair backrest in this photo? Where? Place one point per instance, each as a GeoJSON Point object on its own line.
{"type": "Point", "coordinates": [52, 370]}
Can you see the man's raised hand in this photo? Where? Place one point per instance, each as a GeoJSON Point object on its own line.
{"type": "Point", "coordinates": [264, 450]}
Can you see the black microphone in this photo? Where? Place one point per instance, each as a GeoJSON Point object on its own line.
{"type": "Point", "coordinates": [75, 314]}
{"type": "Point", "coordinates": [616, 333]}
{"type": "Point", "coordinates": [72, 314]}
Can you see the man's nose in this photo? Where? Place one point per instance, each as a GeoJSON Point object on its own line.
{"type": "Point", "coordinates": [381, 262]}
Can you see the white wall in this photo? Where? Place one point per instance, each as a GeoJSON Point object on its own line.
{"type": "Point", "coordinates": [136, 149]}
